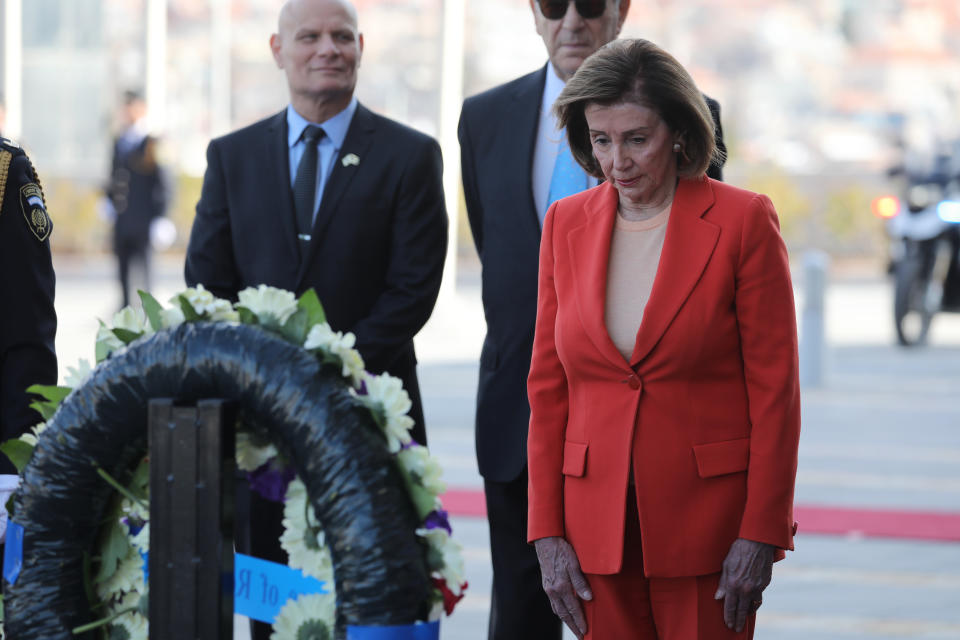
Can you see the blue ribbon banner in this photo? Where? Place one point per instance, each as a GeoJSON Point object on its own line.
{"type": "Point", "coordinates": [13, 552]}
{"type": "Point", "coordinates": [424, 631]}
{"type": "Point", "coordinates": [261, 587]}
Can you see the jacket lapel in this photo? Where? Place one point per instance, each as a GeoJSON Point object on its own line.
{"type": "Point", "coordinates": [687, 247]}
{"type": "Point", "coordinates": [590, 256]}
{"type": "Point", "coordinates": [275, 147]}
{"type": "Point", "coordinates": [526, 120]}
{"type": "Point", "coordinates": [358, 141]}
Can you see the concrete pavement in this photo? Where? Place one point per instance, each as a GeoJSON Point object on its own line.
{"type": "Point", "coordinates": [882, 432]}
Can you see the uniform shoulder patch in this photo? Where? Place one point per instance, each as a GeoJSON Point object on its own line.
{"type": "Point", "coordinates": [35, 211]}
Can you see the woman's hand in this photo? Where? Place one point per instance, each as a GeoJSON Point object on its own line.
{"type": "Point", "coordinates": [563, 581]}
{"type": "Point", "coordinates": [747, 570]}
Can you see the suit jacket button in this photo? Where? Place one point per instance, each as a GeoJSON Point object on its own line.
{"type": "Point", "coordinates": [634, 382]}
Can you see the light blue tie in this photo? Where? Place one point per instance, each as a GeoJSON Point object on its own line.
{"type": "Point", "coordinates": [568, 177]}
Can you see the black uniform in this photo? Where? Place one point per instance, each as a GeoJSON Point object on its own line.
{"type": "Point", "coordinates": [138, 190]}
{"type": "Point", "coordinates": [28, 322]}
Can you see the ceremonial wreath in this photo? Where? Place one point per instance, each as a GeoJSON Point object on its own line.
{"type": "Point", "coordinates": [315, 430]}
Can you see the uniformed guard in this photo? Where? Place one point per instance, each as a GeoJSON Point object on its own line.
{"type": "Point", "coordinates": [28, 322]}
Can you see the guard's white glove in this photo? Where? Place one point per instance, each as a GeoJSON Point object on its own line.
{"type": "Point", "coordinates": [8, 484]}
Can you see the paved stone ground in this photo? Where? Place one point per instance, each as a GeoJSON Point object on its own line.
{"type": "Point", "coordinates": [882, 431]}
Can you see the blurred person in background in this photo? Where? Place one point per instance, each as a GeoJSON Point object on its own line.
{"type": "Point", "coordinates": [516, 162]}
{"type": "Point", "coordinates": [326, 195]}
{"type": "Point", "coordinates": [137, 194]}
{"type": "Point", "coordinates": [664, 388]}
{"type": "Point", "coordinates": [28, 324]}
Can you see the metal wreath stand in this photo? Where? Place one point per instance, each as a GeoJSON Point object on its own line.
{"type": "Point", "coordinates": [330, 439]}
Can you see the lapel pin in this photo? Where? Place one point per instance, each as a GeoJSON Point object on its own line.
{"type": "Point", "coordinates": [350, 159]}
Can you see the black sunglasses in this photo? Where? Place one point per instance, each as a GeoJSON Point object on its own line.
{"type": "Point", "coordinates": [556, 9]}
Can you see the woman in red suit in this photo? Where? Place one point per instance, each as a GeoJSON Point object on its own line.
{"type": "Point", "coordinates": [663, 387]}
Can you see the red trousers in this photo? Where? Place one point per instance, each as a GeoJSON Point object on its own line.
{"type": "Point", "coordinates": [629, 606]}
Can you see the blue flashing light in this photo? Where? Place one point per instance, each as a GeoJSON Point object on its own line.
{"type": "Point", "coordinates": [949, 211]}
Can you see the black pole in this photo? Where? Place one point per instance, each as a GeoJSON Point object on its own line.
{"type": "Point", "coordinates": [191, 520]}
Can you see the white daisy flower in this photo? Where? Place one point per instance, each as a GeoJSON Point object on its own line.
{"type": "Point", "coordinates": [311, 615]}
{"type": "Point", "coordinates": [388, 392]}
{"type": "Point", "coordinates": [449, 550]}
{"type": "Point", "coordinates": [268, 302]}
{"type": "Point", "coordinates": [302, 538]}
{"type": "Point", "coordinates": [171, 317]}
{"type": "Point", "coordinates": [322, 337]}
{"type": "Point", "coordinates": [251, 457]}
{"type": "Point", "coordinates": [30, 437]}
{"type": "Point", "coordinates": [128, 576]}
{"type": "Point", "coordinates": [107, 340]}
{"type": "Point", "coordinates": [76, 376]}
{"type": "Point", "coordinates": [131, 319]}
{"type": "Point", "coordinates": [418, 461]}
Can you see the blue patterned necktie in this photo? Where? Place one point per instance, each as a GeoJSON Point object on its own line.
{"type": "Point", "coordinates": [568, 177]}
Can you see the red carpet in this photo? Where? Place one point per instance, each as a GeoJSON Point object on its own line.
{"type": "Point", "coordinates": [842, 521]}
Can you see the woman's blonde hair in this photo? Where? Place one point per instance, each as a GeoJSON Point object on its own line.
{"type": "Point", "coordinates": [640, 72]}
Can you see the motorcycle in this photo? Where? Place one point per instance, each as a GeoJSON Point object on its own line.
{"type": "Point", "coordinates": [924, 253]}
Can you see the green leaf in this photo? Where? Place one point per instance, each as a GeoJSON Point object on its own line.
{"type": "Point", "coordinates": [295, 328]}
{"type": "Point", "coordinates": [423, 500]}
{"type": "Point", "coordinates": [247, 316]}
{"type": "Point", "coordinates": [18, 452]}
{"type": "Point", "coordinates": [310, 303]}
{"type": "Point", "coordinates": [53, 397]}
{"type": "Point", "coordinates": [113, 548]}
{"type": "Point", "coordinates": [140, 482]}
{"type": "Point", "coordinates": [152, 308]}
{"type": "Point", "coordinates": [189, 313]}
{"type": "Point", "coordinates": [125, 335]}
{"type": "Point", "coordinates": [50, 392]}
{"type": "Point", "coordinates": [102, 350]}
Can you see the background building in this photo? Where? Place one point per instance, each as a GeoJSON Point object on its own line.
{"type": "Point", "coordinates": [820, 97]}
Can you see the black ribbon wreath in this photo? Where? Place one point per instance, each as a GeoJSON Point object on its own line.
{"type": "Point", "coordinates": [330, 438]}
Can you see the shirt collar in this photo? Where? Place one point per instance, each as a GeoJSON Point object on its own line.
{"type": "Point", "coordinates": [335, 128]}
{"type": "Point", "coordinates": [551, 89]}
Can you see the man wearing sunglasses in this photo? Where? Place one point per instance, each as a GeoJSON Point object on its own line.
{"type": "Point", "coordinates": [515, 164]}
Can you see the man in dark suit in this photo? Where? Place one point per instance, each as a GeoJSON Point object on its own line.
{"type": "Point", "coordinates": [138, 192]}
{"type": "Point", "coordinates": [330, 196]}
{"type": "Point", "coordinates": [515, 163]}
{"type": "Point", "coordinates": [28, 324]}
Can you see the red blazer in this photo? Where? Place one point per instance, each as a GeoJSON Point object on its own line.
{"type": "Point", "coordinates": [708, 408]}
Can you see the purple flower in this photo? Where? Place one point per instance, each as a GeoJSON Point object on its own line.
{"type": "Point", "coordinates": [270, 481]}
{"type": "Point", "coordinates": [437, 519]}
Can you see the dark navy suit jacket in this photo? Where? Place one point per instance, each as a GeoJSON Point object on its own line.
{"type": "Point", "coordinates": [378, 242]}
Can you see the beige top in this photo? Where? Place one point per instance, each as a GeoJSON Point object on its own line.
{"type": "Point", "coordinates": [634, 255]}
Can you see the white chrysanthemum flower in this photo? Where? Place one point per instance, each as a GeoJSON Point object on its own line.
{"type": "Point", "coordinates": [76, 376]}
{"type": "Point", "coordinates": [388, 392]}
{"type": "Point", "coordinates": [267, 302]}
{"type": "Point", "coordinates": [30, 437]}
{"type": "Point", "coordinates": [222, 311]}
{"type": "Point", "coordinates": [128, 576]}
{"type": "Point", "coordinates": [449, 550]}
{"type": "Point", "coordinates": [131, 319]}
{"type": "Point", "coordinates": [135, 625]}
{"type": "Point", "coordinates": [106, 337]}
{"type": "Point", "coordinates": [134, 509]}
{"type": "Point", "coordinates": [306, 549]}
{"type": "Point", "coordinates": [204, 304]}
{"type": "Point", "coordinates": [251, 457]}
{"type": "Point", "coordinates": [322, 337]}
{"type": "Point", "coordinates": [171, 317]}
{"type": "Point", "coordinates": [436, 611]}
{"type": "Point", "coordinates": [198, 297]}
{"type": "Point", "coordinates": [311, 615]}
{"type": "Point", "coordinates": [418, 461]}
